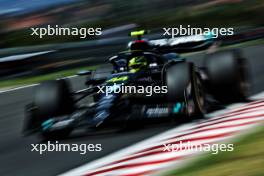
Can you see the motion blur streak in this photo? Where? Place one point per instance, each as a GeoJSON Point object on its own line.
{"type": "Point", "coordinates": [150, 158]}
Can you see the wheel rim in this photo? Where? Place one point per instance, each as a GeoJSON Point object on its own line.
{"type": "Point", "coordinates": [200, 95]}
{"type": "Point", "coordinates": [199, 101]}
{"type": "Point", "coordinates": [189, 100]}
{"type": "Point", "coordinates": [244, 85]}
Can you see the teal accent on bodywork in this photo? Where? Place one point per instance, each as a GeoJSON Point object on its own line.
{"type": "Point", "coordinates": [209, 36]}
{"type": "Point", "coordinates": [177, 108]}
{"type": "Point", "coordinates": [47, 124]}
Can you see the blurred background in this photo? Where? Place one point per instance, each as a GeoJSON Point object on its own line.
{"type": "Point", "coordinates": [18, 16]}
{"type": "Point", "coordinates": [27, 59]}
{"type": "Point", "coordinates": [23, 55]}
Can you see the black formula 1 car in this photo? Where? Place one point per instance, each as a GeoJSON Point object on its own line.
{"type": "Point", "coordinates": [148, 83]}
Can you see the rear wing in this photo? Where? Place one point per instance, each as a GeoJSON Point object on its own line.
{"type": "Point", "coordinates": [183, 44]}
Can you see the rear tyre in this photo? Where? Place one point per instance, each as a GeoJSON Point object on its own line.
{"type": "Point", "coordinates": [184, 85]}
{"type": "Point", "coordinates": [228, 76]}
{"type": "Point", "coordinates": [53, 98]}
{"type": "Point", "coordinates": [31, 122]}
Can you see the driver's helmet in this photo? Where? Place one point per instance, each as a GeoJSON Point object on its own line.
{"type": "Point", "coordinates": [136, 64]}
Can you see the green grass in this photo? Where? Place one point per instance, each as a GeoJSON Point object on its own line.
{"type": "Point", "coordinates": [36, 79]}
{"type": "Point", "coordinates": [247, 159]}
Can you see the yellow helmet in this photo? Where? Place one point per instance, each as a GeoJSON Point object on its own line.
{"type": "Point", "coordinates": [137, 63]}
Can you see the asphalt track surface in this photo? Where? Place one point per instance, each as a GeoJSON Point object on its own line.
{"type": "Point", "coordinates": [16, 157]}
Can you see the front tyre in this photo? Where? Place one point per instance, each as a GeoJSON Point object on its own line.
{"type": "Point", "coordinates": [184, 85]}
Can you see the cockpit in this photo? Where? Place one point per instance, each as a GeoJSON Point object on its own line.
{"type": "Point", "coordinates": [133, 61]}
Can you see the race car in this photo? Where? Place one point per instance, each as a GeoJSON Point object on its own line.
{"type": "Point", "coordinates": [148, 83]}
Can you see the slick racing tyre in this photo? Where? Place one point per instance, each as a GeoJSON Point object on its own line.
{"type": "Point", "coordinates": [53, 98]}
{"type": "Point", "coordinates": [227, 76]}
{"type": "Point", "coordinates": [184, 85]}
{"type": "Point", "coordinates": [31, 122]}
